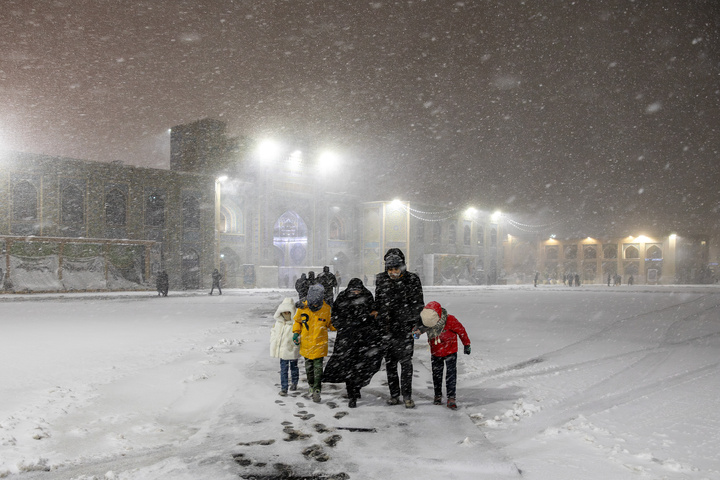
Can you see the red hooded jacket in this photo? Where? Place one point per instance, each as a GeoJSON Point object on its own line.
{"type": "Point", "coordinates": [446, 343]}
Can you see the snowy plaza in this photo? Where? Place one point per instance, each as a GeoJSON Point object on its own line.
{"type": "Point", "coordinates": [563, 383]}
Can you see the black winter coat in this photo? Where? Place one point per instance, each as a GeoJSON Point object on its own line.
{"type": "Point", "coordinates": [398, 303]}
{"type": "Point", "coordinates": [358, 350]}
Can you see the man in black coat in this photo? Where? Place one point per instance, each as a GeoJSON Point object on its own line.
{"type": "Point", "coordinates": [301, 286]}
{"type": "Point", "coordinates": [398, 302]}
{"type": "Point", "coordinates": [329, 282]}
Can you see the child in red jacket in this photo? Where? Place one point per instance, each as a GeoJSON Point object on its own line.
{"type": "Point", "coordinates": [442, 331]}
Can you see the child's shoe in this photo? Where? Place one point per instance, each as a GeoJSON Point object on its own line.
{"type": "Point", "coordinates": [451, 404]}
{"type": "Point", "coordinates": [283, 393]}
{"type": "Point", "coordinates": [316, 396]}
{"type": "Point", "coordinates": [409, 403]}
{"type": "Point", "coordinates": [438, 400]}
{"type": "Point", "coordinates": [293, 387]}
{"type": "Point", "coordinates": [352, 403]}
{"type": "Point", "coordinates": [394, 401]}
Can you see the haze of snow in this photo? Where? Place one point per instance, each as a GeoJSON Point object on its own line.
{"type": "Point", "coordinates": [592, 382]}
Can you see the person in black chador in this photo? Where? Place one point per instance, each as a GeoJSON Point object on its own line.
{"type": "Point", "coordinates": [162, 283]}
{"type": "Point", "coordinates": [216, 276]}
{"type": "Point", "coordinates": [301, 286]}
{"type": "Point", "coordinates": [398, 302]}
{"type": "Point", "coordinates": [329, 282]}
{"type": "Point", "coordinates": [358, 351]}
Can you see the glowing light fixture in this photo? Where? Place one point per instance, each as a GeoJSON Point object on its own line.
{"type": "Point", "coordinates": [268, 149]}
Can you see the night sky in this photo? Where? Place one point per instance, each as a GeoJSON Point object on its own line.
{"type": "Point", "coordinates": [602, 116]}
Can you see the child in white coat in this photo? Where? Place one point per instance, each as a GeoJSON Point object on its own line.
{"type": "Point", "coordinates": [282, 346]}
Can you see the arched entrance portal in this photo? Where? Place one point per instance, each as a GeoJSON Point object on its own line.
{"type": "Point", "coordinates": [190, 270]}
{"type": "Point", "coordinates": [290, 237]}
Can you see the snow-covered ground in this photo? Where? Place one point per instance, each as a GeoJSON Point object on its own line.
{"type": "Point", "coordinates": [563, 383]}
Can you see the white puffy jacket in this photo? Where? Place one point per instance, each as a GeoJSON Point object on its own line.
{"type": "Point", "coordinates": [281, 344]}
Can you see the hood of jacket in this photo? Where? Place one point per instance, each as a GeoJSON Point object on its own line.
{"type": "Point", "coordinates": [315, 297]}
{"type": "Point", "coordinates": [287, 305]}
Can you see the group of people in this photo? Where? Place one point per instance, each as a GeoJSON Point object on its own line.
{"type": "Point", "coordinates": [326, 279]}
{"type": "Point", "coordinates": [570, 278]}
{"type": "Point", "coordinates": [369, 330]}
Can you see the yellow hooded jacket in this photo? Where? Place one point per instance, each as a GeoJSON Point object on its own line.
{"type": "Point", "coordinates": [313, 329]}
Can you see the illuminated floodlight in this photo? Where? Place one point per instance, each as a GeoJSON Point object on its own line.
{"type": "Point", "coordinates": [222, 178]}
{"type": "Point", "coordinates": [496, 216]}
{"type": "Point", "coordinates": [673, 236]}
{"type": "Point", "coordinates": [328, 162]}
{"type": "Point", "coordinates": [471, 211]}
{"type": "Point", "coordinates": [396, 204]}
{"type": "Point", "coordinates": [268, 149]}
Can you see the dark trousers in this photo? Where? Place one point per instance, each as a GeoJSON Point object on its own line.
{"type": "Point", "coordinates": [314, 371]}
{"type": "Point", "coordinates": [400, 351]}
{"type": "Point", "coordinates": [214, 285]}
{"type": "Point", "coordinates": [353, 390]}
{"type": "Point", "coordinates": [438, 366]}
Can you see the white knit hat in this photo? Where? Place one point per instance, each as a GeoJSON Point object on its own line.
{"type": "Point", "coordinates": [429, 317]}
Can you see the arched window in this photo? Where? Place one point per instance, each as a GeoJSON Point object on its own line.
{"type": "Point", "coordinates": [610, 251]}
{"type": "Point", "coordinates": [654, 252]}
{"type": "Point", "coordinates": [570, 252]}
{"type": "Point", "coordinates": [72, 211]}
{"type": "Point", "coordinates": [466, 235]}
{"type": "Point", "coordinates": [337, 229]}
{"type": "Point", "coordinates": [632, 252]}
{"type": "Point", "coordinates": [115, 208]}
{"type": "Point", "coordinates": [552, 252]}
{"type": "Point", "coordinates": [191, 212]}
{"type": "Point", "coordinates": [155, 210]}
{"type": "Point", "coordinates": [589, 252]}
{"type": "Point", "coordinates": [25, 202]}
{"type": "Point", "coordinates": [493, 237]}
{"type": "Point", "coordinates": [452, 234]}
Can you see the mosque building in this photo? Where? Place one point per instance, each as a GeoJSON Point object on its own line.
{"type": "Point", "coordinates": [75, 225]}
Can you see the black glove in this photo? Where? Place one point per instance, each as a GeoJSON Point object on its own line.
{"type": "Point", "coordinates": [467, 350]}
{"type": "Point", "coordinates": [299, 304]}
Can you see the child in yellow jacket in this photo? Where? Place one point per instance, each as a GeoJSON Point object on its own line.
{"type": "Point", "coordinates": [310, 331]}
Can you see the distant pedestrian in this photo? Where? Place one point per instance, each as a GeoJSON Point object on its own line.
{"type": "Point", "coordinates": [162, 284]}
{"type": "Point", "coordinates": [577, 279]}
{"type": "Point", "coordinates": [311, 278]}
{"type": "Point", "coordinates": [631, 280]}
{"type": "Point", "coordinates": [329, 282]}
{"type": "Point", "coordinates": [301, 286]}
{"type": "Point", "coordinates": [537, 275]}
{"type": "Point", "coordinates": [216, 277]}
{"type": "Point", "coordinates": [608, 279]}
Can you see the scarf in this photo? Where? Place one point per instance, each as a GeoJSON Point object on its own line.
{"type": "Point", "coordinates": [433, 333]}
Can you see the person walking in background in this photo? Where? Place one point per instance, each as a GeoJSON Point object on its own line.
{"type": "Point", "coordinates": [301, 286]}
{"type": "Point", "coordinates": [398, 302]}
{"type": "Point", "coordinates": [442, 331]}
{"type": "Point", "coordinates": [329, 282]}
{"type": "Point", "coordinates": [358, 351]}
{"type": "Point", "coordinates": [310, 331]}
{"type": "Point", "coordinates": [283, 347]}
{"type": "Point", "coordinates": [216, 277]}
{"type": "Point", "coordinates": [162, 283]}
